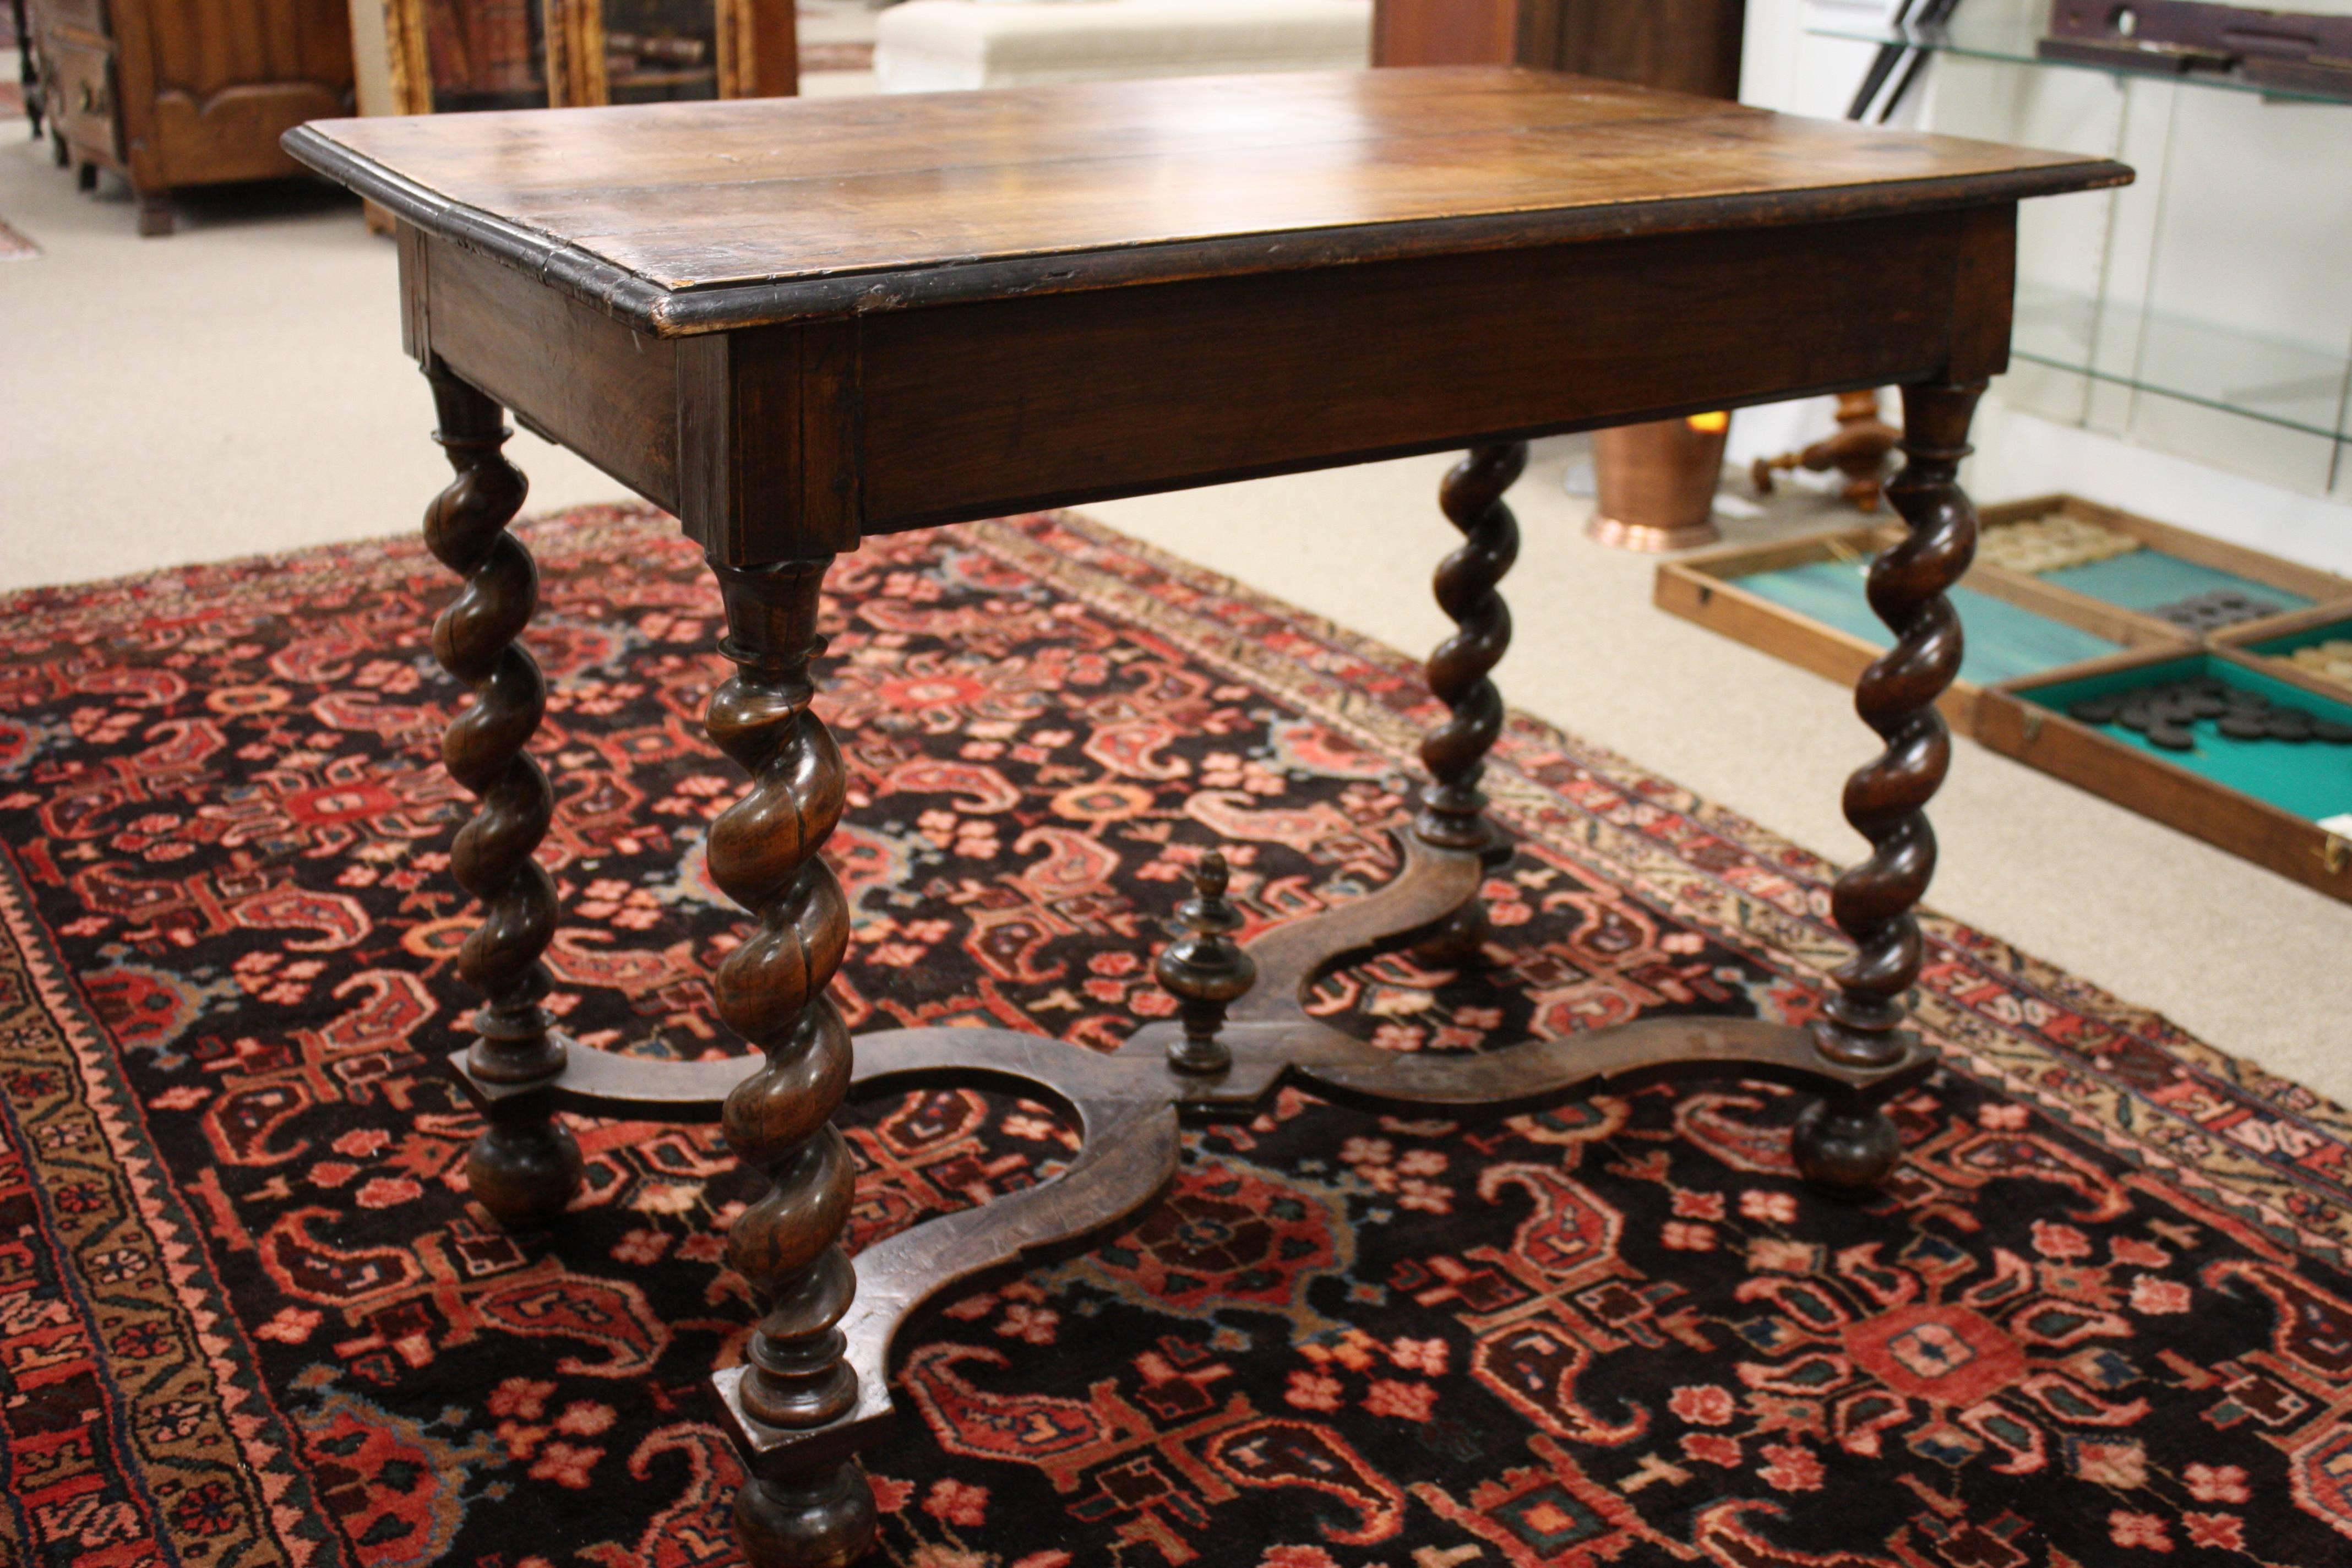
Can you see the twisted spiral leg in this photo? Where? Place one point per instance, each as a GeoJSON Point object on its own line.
{"type": "Point", "coordinates": [771, 990]}
{"type": "Point", "coordinates": [1453, 809]}
{"type": "Point", "coordinates": [1847, 1142]}
{"type": "Point", "coordinates": [525, 1167]}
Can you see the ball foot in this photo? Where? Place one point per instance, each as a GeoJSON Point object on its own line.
{"type": "Point", "coordinates": [524, 1172]}
{"type": "Point", "coordinates": [821, 1521]}
{"type": "Point", "coordinates": [1845, 1148]}
{"type": "Point", "coordinates": [1459, 941]}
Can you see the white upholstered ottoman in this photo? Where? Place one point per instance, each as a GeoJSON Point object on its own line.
{"type": "Point", "coordinates": [925, 46]}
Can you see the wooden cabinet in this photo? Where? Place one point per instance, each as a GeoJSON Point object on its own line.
{"type": "Point", "coordinates": [1445, 32]}
{"type": "Point", "coordinates": [1691, 46]}
{"type": "Point", "coordinates": [171, 93]}
{"type": "Point", "coordinates": [442, 55]}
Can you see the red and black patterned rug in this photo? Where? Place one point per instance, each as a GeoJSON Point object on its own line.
{"type": "Point", "coordinates": [247, 1316]}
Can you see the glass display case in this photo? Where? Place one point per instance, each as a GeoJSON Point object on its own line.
{"type": "Point", "coordinates": [2203, 311]}
{"type": "Point", "coordinates": [451, 55]}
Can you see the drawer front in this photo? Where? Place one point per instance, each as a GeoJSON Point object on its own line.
{"type": "Point", "coordinates": [84, 98]}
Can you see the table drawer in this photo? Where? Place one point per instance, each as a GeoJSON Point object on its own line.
{"type": "Point", "coordinates": [84, 96]}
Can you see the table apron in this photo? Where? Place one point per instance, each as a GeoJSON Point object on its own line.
{"type": "Point", "coordinates": [974, 410]}
{"type": "Point", "coordinates": [788, 441]}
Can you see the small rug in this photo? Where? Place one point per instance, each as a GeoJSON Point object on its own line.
{"type": "Point", "coordinates": [14, 246]}
{"type": "Point", "coordinates": [248, 1315]}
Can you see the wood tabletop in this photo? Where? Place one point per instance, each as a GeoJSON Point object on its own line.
{"type": "Point", "coordinates": [690, 217]}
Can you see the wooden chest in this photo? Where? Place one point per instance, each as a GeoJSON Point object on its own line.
{"type": "Point", "coordinates": [170, 93]}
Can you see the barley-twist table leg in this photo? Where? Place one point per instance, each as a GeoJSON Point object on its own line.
{"type": "Point", "coordinates": [771, 990]}
{"type": "Point", "coordinates": [525, 1167]}
{"type": "Point", "coordinates": [1846, 1141]}
{"type": "Point", "coordinates": [1453, 810]}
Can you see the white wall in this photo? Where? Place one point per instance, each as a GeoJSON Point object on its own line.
{"type": "Point", "coordinates": [2242, 220]}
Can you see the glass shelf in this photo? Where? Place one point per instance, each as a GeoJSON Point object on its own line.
{"type": "Point", "coordinates": [2011, 40]}
{"type": "Point", "coordinates": [2287, 384]}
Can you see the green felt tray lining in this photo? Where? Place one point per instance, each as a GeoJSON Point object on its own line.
{"type": "Point", "coordinates": [2288, 642]}
{"type": "Point", "coordinates": [2309, 779]}
{"type": "Point", "coordinates": [2001, 641]}
{"type": "Point", "coordinates": [2144, 579]}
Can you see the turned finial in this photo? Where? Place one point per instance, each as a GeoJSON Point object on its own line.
{"type": "Point", "coordinates": [1859, 450]}
{"type": "Point", "coordinates": [1204, 969]}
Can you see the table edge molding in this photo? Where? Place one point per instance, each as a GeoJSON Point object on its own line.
{"type": "Point", "coordinates": [647, 306]}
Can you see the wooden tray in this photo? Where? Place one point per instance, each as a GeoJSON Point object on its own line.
{"type": "Point", "coordinates": [1706, 587]}
{"type": "Point", "coordinates": [2321, 623]}
{"type": "Point", "coordinates": [2117, 622]}
{"type": "Point", "coordinates": [2013, 720]}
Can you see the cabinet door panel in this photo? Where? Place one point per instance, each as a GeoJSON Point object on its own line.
{"type": "Point", "coordinates": [208, 86]}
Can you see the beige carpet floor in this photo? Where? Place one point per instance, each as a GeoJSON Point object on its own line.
{"type": "Point", "coordinates": [239, 387]}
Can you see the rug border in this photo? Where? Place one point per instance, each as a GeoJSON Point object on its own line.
{"type": "Point", "coordinates": [261, 1434]}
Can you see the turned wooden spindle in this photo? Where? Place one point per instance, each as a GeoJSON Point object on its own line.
{"type": "Point", "coordinates": [1453, 808]}
{"type": "Point", "coordinates": [525, 1167]}
{"type": "Point", "coordinates": [1204, 969]}
{"type": "Point", "coordinates": [1847, 1142]}
{"type": "Point", "coordinates": [764, 853]}
{"type": "Point", "coordinates": [1859, 450]}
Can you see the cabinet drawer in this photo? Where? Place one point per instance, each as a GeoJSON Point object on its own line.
{"type": "Point", "coordinates": [84, 96]}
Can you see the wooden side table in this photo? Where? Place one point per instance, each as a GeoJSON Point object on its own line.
{"type": "Point", "coordinates": [772, 319]}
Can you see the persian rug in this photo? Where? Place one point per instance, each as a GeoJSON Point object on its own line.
{"type": "Point", "coordinates": [14, 246]}
{"type": "Point", "coordinates": [247, 1317]}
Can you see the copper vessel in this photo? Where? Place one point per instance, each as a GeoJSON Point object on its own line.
{"type": "Point", "coordinates": [1657, 482]}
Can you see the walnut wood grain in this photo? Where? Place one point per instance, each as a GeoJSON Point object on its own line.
{"type": "Point", "coordinates": [1847, 1140]}
{"type": "Point", "coordinates": [891, 314]}
{"type": "Point", "coordinates": [771, 449]}
{"type": "Point", "coordinates": [525, 1167]}
{"type": "Point", "coordinates": [1468, 582]}
{"type": "Point", "coordinates": [1127, 1108]}
{"type": "Point", "coordinates": [1431, 886]}
{"type": "Point", "coordinates": [579, 377]}
{"type": "Point", "coordinates": [1268, 375]}
{"type": "Point", "coordinates": [1886, 799]}
{"type": "Point", "coordinates": [764, 853]}
{"type": "Point", "coordinates": [1204, 969]}
{"type": "Point", "coordinates": [779, 443]}
{"type": "Point", "coordinates": [695, 217]}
